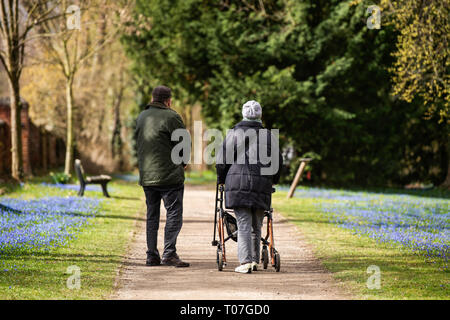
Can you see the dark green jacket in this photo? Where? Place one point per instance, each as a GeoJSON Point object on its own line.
{"type": "Point", "coordinates": [154, 128]}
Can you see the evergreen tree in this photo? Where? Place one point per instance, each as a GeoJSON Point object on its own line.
{"type": "Point", "coordinates": [320, 74]}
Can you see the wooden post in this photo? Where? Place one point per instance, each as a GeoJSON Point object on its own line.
{"type": "Point", "coordinates": [294, 184]}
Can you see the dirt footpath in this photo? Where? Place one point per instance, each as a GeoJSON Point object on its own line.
{"type": "Point", "coordinates": [301, 275]}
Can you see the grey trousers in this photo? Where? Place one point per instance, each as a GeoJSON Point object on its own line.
{"type": "Point", "coordinates": [249, 223]}
{"type": "Point", "coordinates": [173, 202]}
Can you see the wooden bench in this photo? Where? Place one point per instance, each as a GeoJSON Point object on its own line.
{"type": "Point", "coordinates": [101, 179]}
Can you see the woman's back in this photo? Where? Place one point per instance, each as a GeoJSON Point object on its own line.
{"type": "Point", "coordinates": [248, 167]}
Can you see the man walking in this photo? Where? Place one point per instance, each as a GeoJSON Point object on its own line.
{"type": "Point", "coordinates": [160, 177]}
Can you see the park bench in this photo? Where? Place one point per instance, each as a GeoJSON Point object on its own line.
{"type": "Point", "coordinates": [101, 179]}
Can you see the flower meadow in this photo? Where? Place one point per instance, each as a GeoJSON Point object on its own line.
{"type": "Point", "coordinates": [416, 223]}
{"type": "Point", "coordinates": [42, 224]}
{"type": "Point", "coordinates": [74, 187]}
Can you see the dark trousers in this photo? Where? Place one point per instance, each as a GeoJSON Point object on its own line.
{"type": "Point", "coordinates": [173, 202]}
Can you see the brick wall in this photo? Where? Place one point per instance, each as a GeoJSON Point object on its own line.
{"type": "Point", "coordinates": [5, 116]}
{"type": "Point", "coordinates": [39, 148]}
{"type": "Point", "coordinates": [5, 146]}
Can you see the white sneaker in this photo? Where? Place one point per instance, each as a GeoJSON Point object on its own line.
{"type": "Point", "coordinates": [244, 268]}
{"type": "Point", "coordinates": [254, 266]}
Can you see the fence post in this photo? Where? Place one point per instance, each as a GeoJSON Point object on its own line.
{"type": "Point", "coordinates": [302, 166]}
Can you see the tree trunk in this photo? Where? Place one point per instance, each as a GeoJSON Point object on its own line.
{"type": "Point", "coordinates": [70, 138]}
{"type": "Point", "coordinates": [16, 130]}
{"type": "Point", "coordinates": [116, 141]}
{"type": "Point", "coordinates": [446, 183]}
{"type": "Point", "coordinates": [44, 146]}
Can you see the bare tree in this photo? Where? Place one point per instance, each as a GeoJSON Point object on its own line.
{"type": "Point", "coordinates": [17, 20]}
{"type": "Point", "coordinates": [71, 48]}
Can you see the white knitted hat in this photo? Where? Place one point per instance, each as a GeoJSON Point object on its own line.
{"type": "Point", "coordinates": [252, 110]}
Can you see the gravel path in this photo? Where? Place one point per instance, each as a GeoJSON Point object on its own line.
{"type": "Point", "coordinates": [301, 275]}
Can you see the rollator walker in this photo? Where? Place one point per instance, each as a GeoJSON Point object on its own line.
{"type": "Point", "coordinates": [224, 219]}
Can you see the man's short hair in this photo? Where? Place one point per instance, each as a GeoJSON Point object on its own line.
{"type": "Point", "coordinates": [161, 94]}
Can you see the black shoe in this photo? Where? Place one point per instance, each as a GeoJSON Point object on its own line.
{"type": "Point", "coordinates": [151, 262]}
{"type": "Point", "coordinates": [175, 261]}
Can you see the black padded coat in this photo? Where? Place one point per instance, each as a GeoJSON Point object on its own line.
{"type": "Point", "coordinates": [245, 184]}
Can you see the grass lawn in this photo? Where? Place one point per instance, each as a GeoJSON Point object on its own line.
{"type": "Point", "coordinates": [347, 254]}
{"type": "Point", "coordinates": [97, 250]}
{"type": "Point", "coordinates": [203, 178]}
{"type": "Point", "coordinates": [99, 246]}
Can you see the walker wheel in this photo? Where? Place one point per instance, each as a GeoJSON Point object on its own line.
{"type": "Point", "coordinates": [265, 257]}
{"type": "Point", "coordinates": [277, 262]}
{"type": "Point", "coordinates": [219, 259]}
